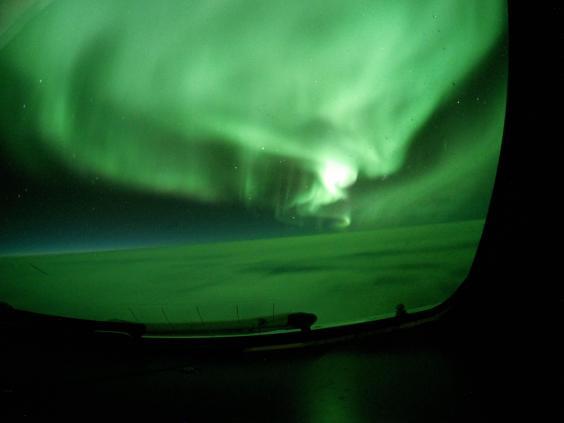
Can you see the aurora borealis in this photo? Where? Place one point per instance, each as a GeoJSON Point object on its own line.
{"type": "Point", "coordinates": [328, 156]}
{"type": "Point", "coordinates": [291, 107]}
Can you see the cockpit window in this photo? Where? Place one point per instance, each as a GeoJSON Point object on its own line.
{"type": "Point", "coordinates": [215, 166]}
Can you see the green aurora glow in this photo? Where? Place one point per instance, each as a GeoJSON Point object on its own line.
{"type": "Point", "coordinates": [287, 105]}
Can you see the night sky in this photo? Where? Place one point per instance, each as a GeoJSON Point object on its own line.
{"type": "Point", "coordinates": [186, 122]}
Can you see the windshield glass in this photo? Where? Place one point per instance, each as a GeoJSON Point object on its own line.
{"type": "Point", "coordinates": [191, 164]}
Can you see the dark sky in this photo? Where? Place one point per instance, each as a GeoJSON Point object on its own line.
{"type": "Point", "coordinates": [66, 212]}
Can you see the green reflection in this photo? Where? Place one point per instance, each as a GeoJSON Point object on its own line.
{"type": "Point", "coordinates": [282, 104]}
{"type": "Point", "coordinates": [340, 277]}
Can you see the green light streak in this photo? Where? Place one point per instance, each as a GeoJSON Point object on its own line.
{"type": "Point", "coordinates": [282, 104]}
